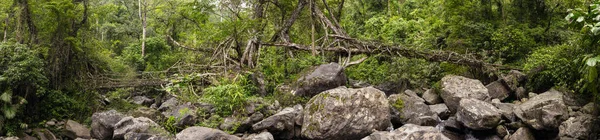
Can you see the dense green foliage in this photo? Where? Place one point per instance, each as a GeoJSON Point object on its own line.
{"type": "Point", "coordinates": [210, 51]}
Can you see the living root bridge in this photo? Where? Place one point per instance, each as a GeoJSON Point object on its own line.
{"type": "Point", "coordinates": [355, 46]}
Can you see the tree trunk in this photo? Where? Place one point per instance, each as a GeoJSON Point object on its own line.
{"type": "Point", "coordinates": [142, 12]}
{"type": "Point", "coordinates": [25, 19]}
{"type": "Point", "coordinates": [312, 34]}
{"type": "Point", "coordinates": [5, 29]}
{"type": "Point", "coordinates": [283, 32]}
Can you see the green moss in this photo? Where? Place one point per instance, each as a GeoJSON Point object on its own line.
{"type": "Point", "coordinates": [437, 87]}
{"type": "Point", "coordinates": [398, 104]}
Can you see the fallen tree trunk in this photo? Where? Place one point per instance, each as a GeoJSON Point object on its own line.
{"type": "Point", "coordinates": [359, 47]}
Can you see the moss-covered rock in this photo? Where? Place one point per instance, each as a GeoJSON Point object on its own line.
{"type": "Point", "coordinates": [324, 77]}
{"type": "Point", "coordinates": [345, 113]}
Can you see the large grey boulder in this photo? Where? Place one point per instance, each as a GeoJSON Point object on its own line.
{"type": "Point", "coordinates": [441, 110]}
{"type": "Point", "coordinates": [393, 87]}
{"type": "Point", "coordinates": [578, 127]}
{"type": "Point", "coordinates": [543, 112]}
{"type": "Point", "coordinates": [411, 109]}
{"type": "Point", "coordinates": [522, 133]}
{"type": "Point", "coordinates": [147, 112]}
{"type": "Point", "coordinates": [345, 113]}
{"type": "Point", "coordinates": [262, 136]}
{"type": "Point", "coordinates": [169, 104]}
{"type": "Point", "coordinates": [185, 114]}
{"type": "Point", "coordinates": [203, 133]}
{"type": "Point", "coordinates": [103, 124]}
{"type": "Point", "coordinates": [140, 125]}
{"type": "Point", "coordinates": [44, 134]}
{"type": "Point", "coordinates": [142, 100]}
{"type": "Point", "coordinates": [507, 110]}
{"type": "Point", "coordinates": [478, 115]}
{"type": "Point", "coordinates": [75, 130]}
{"type": "Point", "coordinates": [431, 97]}
{"type": "Point", "coordinates": [497, 90]}
{"type": "Point", "coordinates": [286, 124]}
{"type": "Point", "coordinates": [146, 136]}
{"type": "Point", "coordinates": [455, 88]}
{"type": "Point", "coordinates": [324, 77]}
{"type": "Point", "coordinates": [589, 109]}
{"type": "Point", "coordinates": [513, 79]}
{"type": "Point", "coordinates": [409, 132]}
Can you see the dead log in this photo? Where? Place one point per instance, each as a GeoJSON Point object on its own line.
{"type": "Point", "coordinates": [360, 47]}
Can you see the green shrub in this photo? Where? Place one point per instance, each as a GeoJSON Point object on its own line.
{"type": "Point", "coordinates": [278, 68]}
{"type": "Point", "coordinates": [512, 43]}
{"type": "Point", "coordinates": [158, 55]}
{"type": "Point", "coordinates": [169, 125]}
{"type": "Point", "coordinates": [379, 69]}
{"type": "Point", "coordinates": [22, 82]}
{"type": "Point", "coordinates": [560, 67]}
{"type": "Point", "coordinates": [231, 95]}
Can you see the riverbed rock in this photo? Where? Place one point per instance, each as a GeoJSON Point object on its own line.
{"type": "Point", "coordinates": [409, 132]}
{"type": "Point", "coordinates": [478, 115]}
{"type": "Point", "coordinates": [142, 100]}
{"type": "Point", "coordinates": [543, 112]}
{"type": "Point", "coordinates": [412, 110]}
{"type": "Point", "coordinates": [324, 77]}
{"type": "Point", "coordinates": [513, 79]}
{"type": "Point", "coordinates": [185, 114]}
{"type": "Point", "coordinates": [169, 104]}
{"type": "Point", "coordinates": [203, 133]}
{"type": "Point", "coordinates": [507, 111]}
{"type": "Point", "coordinates": [137, 125]}
{"type": "Point", "coordinates": [455, 88]}
{"type": "Point", "coordinates": [441, 110]}
{"type": "Point", "coordinates": [262, 136]}
{"type": "Point", "coordinates": [150, 113]}
{"type": "Point", "coordinates": [589, 109]}
{"type": "Point", "coordinates": [497, 90]}
{"type": "Point", "coordinates": [501, 131]}
{"type": "Point", "coordinates": [103, 124]}
{"type": "Point", "coordinates": [431, 97]}
{"type": "Point", "coordinates": [393, 87]}
{"type": "Point", "coordinates": [578, 127]}
{"type": "Point", "coordinates": [44, 134]}
{"type": "Point", "coordinates": [521, 93]}
{"type": "Point", "coordinates": [345, 113]}
{"type": "Point", "coordinates": [286, 124]}
{"type": "Point", "coordinates": [522, 133]}
{"type": "Point", "coordinates": [75, 130]}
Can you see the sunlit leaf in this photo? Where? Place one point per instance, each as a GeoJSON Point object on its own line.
{"type": "Point", "coordinates": [592, 74]}
{"type": "Point", "coordinates": [592, 61]}
{"type": "Point", "coordinates": [580, 19]}
{"type": "Point", "coordinates": [569, 16]}
{"type": "Point", "coordinates": [9, 111]}
{"type": "Point", "coordinates": [6, 96]}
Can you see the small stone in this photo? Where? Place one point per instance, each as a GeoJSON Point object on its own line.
{"type": "Point", "coordinates": [431, 97]}
{"type": "Point", "coordinates": [441, 110]}
{"type": "Point", "coordinates": [524, 100]}
{"type": "Point", "coordinates": [522, 133]}
{"type": "Point", "coordinates": [498, 90]}
{"type": "Point", "coordinates": [501, 131]}
{"type": "Point", "coordinates": [478, 115]}
{"type": "Point", "coordinates": [513, 79]}
{"type": "Point", "coordinates": [75, 130]}
{"type": "Point", "coordinates": [51, 123]}
{"type": "Point", "coordinates": [521, 92]}
{"type": "Point", "coordinates": [496, 101]}
{"type": "Point", "coordinates": [455, 88]}
{"type": "Point", "coordinates": [531, 94]}
{"type": "Point", "coordinates": [589, 109]}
